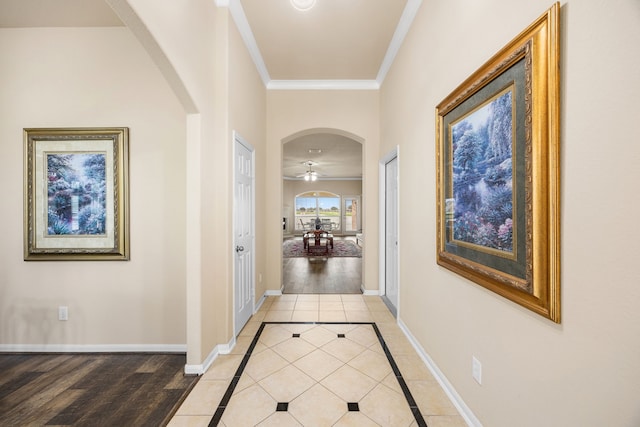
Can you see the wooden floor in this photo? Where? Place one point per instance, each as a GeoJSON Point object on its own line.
{"type": "Point", "coordinates": [322, 275]}
{"type": "Point", "coordinates": [91, 389]}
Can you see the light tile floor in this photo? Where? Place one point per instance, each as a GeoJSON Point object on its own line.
{"type": "Point", "coordinates": [318, 373]}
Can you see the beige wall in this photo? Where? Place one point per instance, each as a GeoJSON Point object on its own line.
{"type": "Point", "coordinates": [585, 371]}
{"type": "Point", "coordinates": [293, 112]}
{"type": "Point", "coordinates": [291, 188]}
{"type": "Point", "coordinates": [189, 43]}
{"type": "Point", "coordinates": [90, 78]}
{"type": "Point", "coordinates": [205, 51]}
{"type": "Point", "coordinates": [248, 118]}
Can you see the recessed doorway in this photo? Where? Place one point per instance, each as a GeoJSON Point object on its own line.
{"type": "Point", "coordinates": [322, 189]}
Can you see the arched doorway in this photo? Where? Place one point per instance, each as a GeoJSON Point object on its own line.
{"type": "Point", "coordinates": [332, 196]}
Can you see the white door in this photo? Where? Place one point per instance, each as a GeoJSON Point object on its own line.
{"type": "Point", "coordinates": [391, 231]}
{"type": "Point", "coordinates": [244, 286]}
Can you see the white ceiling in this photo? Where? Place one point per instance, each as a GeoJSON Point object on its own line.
{"type": "Point", "coordinates": [335, 40]}
{"type": "Point", "coordinates": [338, 44]}
{"type": "Point", "coordinates": [339, 157]}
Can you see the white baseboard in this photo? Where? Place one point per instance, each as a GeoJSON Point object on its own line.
{"type": "Point", "coordinates": [208, 361]}
{"type": "Point", "coordinates": [369, 292]}
{"type": "Point", "coordinates": [258, 305]}
{"type": "Point", "coordinates": [93, 348]}
{"type": "Point", "coordinates": [277, 293]}
{"type": "Point", "coordinates": [204, 366]}
{"type": "Point", "coordinates": [226, 348]}
{"type": "Point", "coordinates": [457, 401]}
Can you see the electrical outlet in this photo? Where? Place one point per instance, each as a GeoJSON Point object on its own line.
{"type": "Point", "coordinates": [476, 369]}
{"type": "Point", "coordinates": [63, 312]}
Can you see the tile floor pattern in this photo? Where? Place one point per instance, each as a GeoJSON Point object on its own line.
{"type": "Point", "coordinates": [306, 374]}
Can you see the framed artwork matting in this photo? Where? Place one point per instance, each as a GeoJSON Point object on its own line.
{"type": "Point", "coordinates": [76, 191]}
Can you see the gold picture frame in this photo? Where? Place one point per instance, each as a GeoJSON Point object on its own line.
{"type": "Point", "coordinates": [498, 172]}
{"type": "Point", "coordinates": [76, 194]}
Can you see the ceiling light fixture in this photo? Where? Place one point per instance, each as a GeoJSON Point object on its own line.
{"type": "Point", "coordinates": [303, 5]}
{"type": "Point", "coordinates": [310, 175]}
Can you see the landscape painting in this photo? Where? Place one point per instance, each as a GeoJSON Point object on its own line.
{"type": "Point", "coordinates": [498, 172]}
{"type": "Point", "coordinates": [483, 175]}
{"type": "Point", "coordinates": [77, 194]}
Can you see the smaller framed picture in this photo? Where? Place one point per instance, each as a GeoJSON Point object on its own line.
{"type": "Point", "coordinates": [76, 194]}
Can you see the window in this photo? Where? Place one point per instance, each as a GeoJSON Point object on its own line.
{"type": "Point", "coordinates": [317, 204]}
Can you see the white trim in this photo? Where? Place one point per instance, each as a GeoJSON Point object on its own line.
{"type": "Point", "coordinates": [226, 348]}
{"type": "Point", "coordinates": [258, 305]}
{"type": "Point", "coordinates": [448, 388]}
{"type": "Point", "coordinates": [404, 24]}
{"type": "Point", "coordinates": [204, 366]}
{"type": "Point", "coordinates": [382, 184]}
{"type": "Point", "coordinates": [289, 178]}
{"type": "Point", "coordinates": [367, 292]}
{"type": "Point", "coordinates": [323, 85]}
{"type": "Point", "coordinates": [273, 293]}
{"type": "Point", "coordinates": [409, 13]}
{"type": "Point", "coordinates": [93, 348]}
{"type": "Point", "coordinates": [238, 139]}
{"type": "Point", "coordinates": [249, 40]}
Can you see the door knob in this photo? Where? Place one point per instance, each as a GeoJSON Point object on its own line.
{"type": "Point", "coordinates": [239, 248]}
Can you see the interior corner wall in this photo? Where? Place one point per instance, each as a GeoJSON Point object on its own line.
{"type": "Point", "coordinates": [248, 117]}
{"type": "Point", "coordinates": [293, 111]}
{"type": "Point", "coordinates": [94, 77]}
{"type": "Point", "coordinates": [586, 370]}
{"type": "Point", "coordinates": [192, 39]}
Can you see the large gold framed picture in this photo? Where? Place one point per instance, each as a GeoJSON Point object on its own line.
{"type": "Point", "coordinates": [498, 172]}
{"type": "Point", "coordinates": [76, 194]}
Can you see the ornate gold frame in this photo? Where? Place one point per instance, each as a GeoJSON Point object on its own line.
{"type": "Point", "coordinates": [536, 286]}
{"type": "Point", "coordinates": [111, 242]}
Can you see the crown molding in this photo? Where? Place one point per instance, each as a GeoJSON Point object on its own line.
{"type": "Point", "coordinates": [406, 19]}
{"type": "Point", "coordinates": [237, 13]}
{"type": "Point", "coordinates": [347, 178]}
{"type": "Point", "coordinates": [323, 85]}
{"type": "Point", "coordinates": [408, 14]}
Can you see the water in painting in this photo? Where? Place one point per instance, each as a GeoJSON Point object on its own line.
{"type": "Point", "coordinates": [76, 194]}
{"type": "Point", "coordinates": [482, 174]}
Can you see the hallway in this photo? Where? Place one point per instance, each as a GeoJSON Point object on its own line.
{"type": "Point", "coordinates": [322, 275]}
{"type": "Point", "coordinates": [329, 369]}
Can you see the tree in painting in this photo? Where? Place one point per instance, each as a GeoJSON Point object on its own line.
{"type": "Point", "coordinates": [482, 176]}
{"type": "Point", "coordinates": [76, 193]}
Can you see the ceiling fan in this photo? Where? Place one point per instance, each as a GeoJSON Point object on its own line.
{"type": "Point", "coordinates": [310, 174]}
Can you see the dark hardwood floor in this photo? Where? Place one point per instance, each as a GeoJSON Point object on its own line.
{"type": "Point", "coordinates": [91, 389]}
{"type": "Point", "coordinates": [322, 275]}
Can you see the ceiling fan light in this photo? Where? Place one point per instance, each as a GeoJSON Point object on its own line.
{"type": "Point", "coordinates": [303, 5]}
{"type": "Point", "coordinates": [307, 176]}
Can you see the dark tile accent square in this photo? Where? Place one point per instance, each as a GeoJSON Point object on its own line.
{"type": "Point", "coordinates": [296, 335]}
{"type": "Point", "coordinates": [353, 407]}
{"type": "Point", "coordinates": [282, 407]}
{"type": "Point", "coordinates": [341, 336]}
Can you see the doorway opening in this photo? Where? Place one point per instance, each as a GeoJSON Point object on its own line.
{"type": "Point", "coordinates": [322, 191]}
